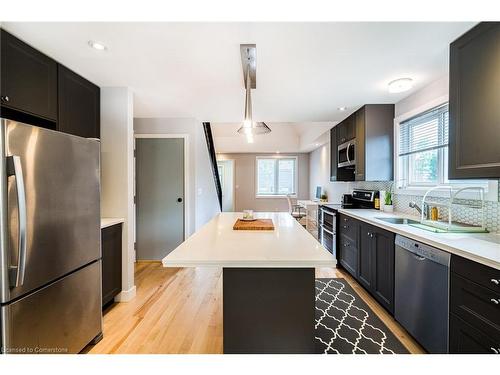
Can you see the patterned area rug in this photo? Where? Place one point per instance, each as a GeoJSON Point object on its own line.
{"type": "Point", "coordinates": [346, 325]}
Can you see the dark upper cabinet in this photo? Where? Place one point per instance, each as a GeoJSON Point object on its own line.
{"type": "Point", "coordinates": [474, 110]}
{"type": "Point", "coordinates": [29, 79]}
{"type": "Point", "coordinates": [111, 244]}
{"type": "Point", "coordinates": [79, 105]}
{"type": "Point", "coordinates": [333, 154]}
{"type": "Point", "coordinates": [371, 135]}
{"type": "Point", "coordinates": [346, 130]}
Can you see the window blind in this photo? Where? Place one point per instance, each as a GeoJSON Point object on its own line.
{"type": "Point", "coordinates": [427, 131]}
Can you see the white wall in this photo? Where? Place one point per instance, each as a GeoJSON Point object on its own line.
{"type": "Point", "coordinates": [203, 203]}
{"type": "Point", "coordinates": [244, 170]}
{"type": "Point", "coordinates": [429, 93]}
{"type": "Point", "coordinates": [319, 175]}
{"type": "Point", "coordinates": [117, 184]}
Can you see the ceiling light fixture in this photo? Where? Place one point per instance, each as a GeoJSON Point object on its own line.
{"type": "Point", "coordinates": [249, 127]}
{"type": "Point", "coordinates": [400, 85]}
{"type": "Point", "coordinates": [97, 45]}
{"type": "Point", "coordinates": [342, 108]}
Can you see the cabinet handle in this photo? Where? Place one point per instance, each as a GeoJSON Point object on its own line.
{"type": "Point", "coordinates": [346, 244]}
{"type": "Point", "coordinates": [495, 281]}
{"type": "Point", "coordinates": [494, 301]}
{"type": "Point", "coordinates": [345, 219]}
{"type": "Point", "coordinates": [494, 350]}
{"type": "Point", "coordinates": [346, 226]}
{"type": "Point", "coordinates": [5, 99]}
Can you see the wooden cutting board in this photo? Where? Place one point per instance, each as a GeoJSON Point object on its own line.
{"type": "Point", "coordinates": [259, 224]}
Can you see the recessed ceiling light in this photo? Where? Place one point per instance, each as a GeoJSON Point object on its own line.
{"type": "Point", "coordinates": [97, 45]}
{"type": "Point", "coordinates": [400, 85]}
{"type": "Point", "coordinates": [342, 108]}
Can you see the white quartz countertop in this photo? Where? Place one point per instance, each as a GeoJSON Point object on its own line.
{"type": "Point", "coordinates": [109, 221]}
{"type": "Point", "coordinates": [289, 245]}
{"type": "Point", "coordinates": [480, 247]}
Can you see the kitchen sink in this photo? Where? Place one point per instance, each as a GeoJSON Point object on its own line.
{"type": "Point", "coordinates": [397, 220]}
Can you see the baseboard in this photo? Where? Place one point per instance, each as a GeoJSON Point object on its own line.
{"type": "Point", "coordinates": [126, 295]}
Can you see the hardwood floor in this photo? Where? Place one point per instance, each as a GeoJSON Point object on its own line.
{"type": "Point", "coordinates": [179, 310]}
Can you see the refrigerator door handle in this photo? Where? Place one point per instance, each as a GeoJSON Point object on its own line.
{"type": "Point", "coordinates": [14, 168]}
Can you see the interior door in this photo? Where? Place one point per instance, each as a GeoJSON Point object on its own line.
{"type": "Point", "coordinates": [62, 190]}
{"type": "Point", "coordinates": [159, 196]}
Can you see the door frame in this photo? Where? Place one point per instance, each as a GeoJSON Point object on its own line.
{"type": "Point", "coordinates": [233, 163]}
{"type": "Point", "coordinates": [187, 215]}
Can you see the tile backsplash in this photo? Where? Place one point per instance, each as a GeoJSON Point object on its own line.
{"type": "Point", "coordinates": [461, 213]}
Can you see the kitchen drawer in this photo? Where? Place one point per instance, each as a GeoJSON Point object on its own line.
{"type": "Point", "coordinates": [349, 227]}
{"type": "Point", "coordinates": [481, 274]}
{"type": "Point", "coordinates": [475, 304]}
{"type": "Point", "coordinates": [327, 241]}
{"type": "Point", "coordinates": [466, 339]}
{"type": "Point", "coordinates": [348, 255]}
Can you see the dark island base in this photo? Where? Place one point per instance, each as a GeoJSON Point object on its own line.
{"type": "Point", "coordinates": [268, 310]}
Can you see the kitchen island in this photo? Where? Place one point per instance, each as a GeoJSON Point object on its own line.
{"type": "Point", "coordinates": [268, 281]}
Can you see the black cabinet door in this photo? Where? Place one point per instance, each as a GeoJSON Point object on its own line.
{"type": "Point", "coordinates": [111, 243]}
{"type": "Point", "coordinates": [348, 234]}
{"type": "Point", "coordinates": [346, 130]}
{"type": "Point", "coordinates": [383, 267]}
{"type": "Point", "coordinates": [466, 339]}
{"type": "Point", "coordinates": [333, 154]}
{"type": "Point", "coordinates": [474, 110]}
{"type": "Point", "coordinates": [29, 79]}
{"type": "Point", "coordinates": [365, 269]}
{"type": "Point", "coordinates": [79, 105]}
{"type": "Point", "coordinates": [359, 172]}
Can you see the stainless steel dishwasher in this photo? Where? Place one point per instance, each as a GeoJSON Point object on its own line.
{"type": "Point", "coordinates": [422, 279]}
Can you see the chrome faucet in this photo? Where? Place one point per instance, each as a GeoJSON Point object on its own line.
{"type": "Point", "coordinates": [415, 206]}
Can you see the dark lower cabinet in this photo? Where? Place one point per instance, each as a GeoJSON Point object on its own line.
{"type": "Point", "coordinates": [376, 264]}
{"type": "Point", "coordinates": [367, 253]}
{"type": "Point", "coordinates": [348, 233]}
{"type": "Point", "coordinates": [383, 267]}
{"type": "Point", "coordinates": [79, 105]}
{"type": "Point", "coordinates": [111, 242]}
{"type": "Point", "coordinates": [474, 307]}
{"type": "Point", "coordinates": [365, 269]}
{"type": "Point", "coordinates": [466, 339]}
{"type": "Point", "coordinates": [29, 79]}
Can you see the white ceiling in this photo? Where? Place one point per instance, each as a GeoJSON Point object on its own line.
{"type": "Point", "coordinates": [304, 70]}
{"type": "Point", "coordinates": [284, 137]}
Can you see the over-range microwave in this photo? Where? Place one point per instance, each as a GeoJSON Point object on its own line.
{"type": "Point", "coordinates": [346, 155]}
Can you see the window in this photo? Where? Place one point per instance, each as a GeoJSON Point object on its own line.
{"type": "Point", "coordinates": [423, 151]}
{"type": "Point", "coordinates": [276, 176]}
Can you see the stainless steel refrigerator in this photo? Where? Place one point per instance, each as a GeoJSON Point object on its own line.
{"type": "Point", "coordinates": [50, 237]}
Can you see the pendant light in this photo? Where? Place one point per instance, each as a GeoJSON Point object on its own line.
{"type": "Point", "coordinates": [249, 127]}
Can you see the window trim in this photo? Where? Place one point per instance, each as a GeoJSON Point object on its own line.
{"type": "Point", "coordinates": [256, 177]}
{"type": "Point", "coordinates": [491, 193]}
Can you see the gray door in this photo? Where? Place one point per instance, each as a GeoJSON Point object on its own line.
{"type": "Point", "coordinates": [159, 196]}
{"type": "Point", "coordinates": [62, 213]}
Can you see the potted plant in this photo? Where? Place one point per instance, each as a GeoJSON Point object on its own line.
{"type": "Point", "coordinates": [388, 207]}
{"type": "Point", "coordinates": [324, 198]}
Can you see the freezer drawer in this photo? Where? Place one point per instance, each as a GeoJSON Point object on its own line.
{"type": "Point", "coordinates": [62, 317]}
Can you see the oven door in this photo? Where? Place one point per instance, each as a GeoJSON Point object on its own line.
{"type": "Point", "coordinates": [327, 230]}
{"type": "Point", "coordinates": [347, 154]}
